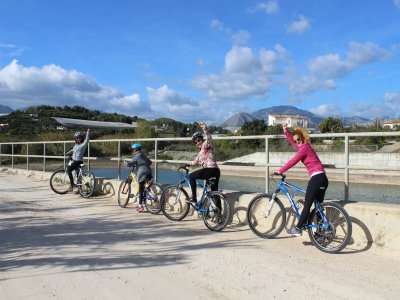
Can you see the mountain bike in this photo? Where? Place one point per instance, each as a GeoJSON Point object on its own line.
{"type": "Point", "coordinates": [84, 180]}
{"type": "Point", "coordinates": [329, 225]}
{"type": "Point", "coordinates": [129, 189]}
{"type": "Point", "coordinates": [212, 207]}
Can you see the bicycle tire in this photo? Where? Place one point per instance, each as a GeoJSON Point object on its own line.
{"type": "Point", "coordinates": [59, 182]}
{"type": "Point", "coordinates": [173, 203]}
{"type": "Point", "coordinates": [124, 193]}
{"type": "Point", "coordinates": [270, 226]}
{"type": "Point", "coordinates": [218, 212]}
{"type": "Point", "coordinates": [87, 184]}
{"type": "Point", "coordinates": [335, 238]}
{"type": "Point", "coordinates": [152, 199]}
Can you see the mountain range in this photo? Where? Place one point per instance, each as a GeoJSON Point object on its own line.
{"type": "Point", "coordinates": [240, 118]}
{"type": "Point", "coordinates": [5, 109]}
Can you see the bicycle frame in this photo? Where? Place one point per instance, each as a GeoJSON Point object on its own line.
{"type": "Point", "coordinates": [283, 186]}
{"type": "Point", "coordinates": [203, 186]}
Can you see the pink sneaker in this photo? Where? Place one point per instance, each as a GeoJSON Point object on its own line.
{"type": "Point", "coordinates": [140, 209]}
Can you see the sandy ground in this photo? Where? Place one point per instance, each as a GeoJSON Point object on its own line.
{"type": "Point", "coordinates": [66, 247]}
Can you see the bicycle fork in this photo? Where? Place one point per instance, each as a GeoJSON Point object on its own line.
{"type": "Point", "coordinates": [270, 205]}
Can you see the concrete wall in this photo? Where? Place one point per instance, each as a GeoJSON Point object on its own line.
{"type": "Point", "coordinates": [374, 160]}
{"type": "Point", "coordinates": [375, 226]}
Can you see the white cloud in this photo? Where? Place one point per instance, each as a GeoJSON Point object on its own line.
{"type": "Point", "coordinates": [386, 106]}
{"type": "Point", "coordinates": [309, 84]}
{"type": "Point", "coordinates": [245, 74]}
{"type": "Point", "coordinates": [218, 25]}
{"type": "Point", "coordinates": [270, 7]}
{"type": "Point", "coordinates": [241, 37]}
{"type": "Point", "coordinates": [22, 87]}
{"type": "Point", "coordinates": [167, 102]}
{"type": "Point", "coordinates": [329, 66]}
{"type": "Point", "coordinates": [326, 110]}
{"type": "Point", "coordinates": [299, 26]}
{"type": "Point", "coordinates": [323, 70]}
{"type": "Point", "coordinates": [397, 3]}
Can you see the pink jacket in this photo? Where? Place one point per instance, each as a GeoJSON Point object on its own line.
{"type": "Point", "coordinates": [206, 158]}
{"type": "Point", "coordinates": [306, 154]}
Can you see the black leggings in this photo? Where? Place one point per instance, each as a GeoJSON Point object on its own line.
{"type": "Point", "coordinates": [316, 189]}
{"type": "Point", "coordinates": [204, 174]}
{"type": "Point", "coordinates": [74, 166]}
{"type": "Point", "coordinates": [141, 188]}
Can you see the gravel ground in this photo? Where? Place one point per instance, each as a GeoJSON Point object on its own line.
{"type": "Point", "coordinates": [66, 247]}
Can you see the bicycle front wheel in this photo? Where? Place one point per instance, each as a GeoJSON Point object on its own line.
{"type": "Point", "coordinates": [59, 182]}
{"type": "Point", "coordinates": [87, 184]}
{"type": "Point", "coordinates": [266, 217]}
{"type": "Point", "coordinates": [124, 193]}
{"type": "Point", "coordinates": [152, 199]}
{"type": "Point", "coordinates": [173, 203]}
{"type": "Point", "coordinates": [218, 212]}
{"type": "Point", "coordinates": [336, 236]}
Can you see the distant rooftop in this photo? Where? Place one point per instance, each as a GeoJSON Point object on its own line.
{"type": "Point", "coordinates": [94, 124]}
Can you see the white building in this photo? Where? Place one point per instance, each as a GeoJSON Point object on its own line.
{"type": "Point", "coordinates": [394, 124]}
{"type": "Point", "coordinates": [292, 121]}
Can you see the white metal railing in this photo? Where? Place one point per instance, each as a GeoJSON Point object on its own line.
{"type": "Point", "coordinates": [346, 164]}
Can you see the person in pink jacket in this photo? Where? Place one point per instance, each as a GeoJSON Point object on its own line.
{"type": "Point", "coordinates": [205, 159]}
{"type": "Point", "coordinates": [318, 182]}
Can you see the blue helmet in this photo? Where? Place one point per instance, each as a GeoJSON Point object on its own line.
{"type": "Point", "coordinates": [136, 146]}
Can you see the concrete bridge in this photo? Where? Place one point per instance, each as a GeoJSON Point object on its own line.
{"type": "Point", "coordinates": [66, 247]}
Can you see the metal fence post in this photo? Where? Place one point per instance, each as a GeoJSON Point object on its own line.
{"type": "Point", "coordinates": [27, 156]}
{"type": "Point", "coordinates": [44, 157]}
{"type": "Point", "coordinates": [12, 155]}
{"type": "Point", "coordinates": [346, 168]}
{"type": "Point", "coordinates": [266, 165]}
{"type": "Point", "coordinates": [88, 153]}
{"type": "Point", "coordinates": [119, 160]}
{"type": "Point", "coordinates": [1, 157]}
{"type": "Point", "coordinates": [155, 160]}
{"type": "Point", "coordinates": [65, 159]}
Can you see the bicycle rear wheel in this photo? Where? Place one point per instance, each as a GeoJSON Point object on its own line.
{"type": "Point", "coordinates": [337, 236]}
{"type": "Point", "coordinates": [173, 203]}
{"type": "Point", "coordinates": [124, 193]}
{"type": "Point", "coordinates": [152, 199]}
{"type": "Point", "coordinates": [87, 184]}
{"type": "Point", "coordinates": [266, 218]}
{"type": "Point", "coordinates": [218, 212]}
{"type": "Point", "coordinates": [59, 182]}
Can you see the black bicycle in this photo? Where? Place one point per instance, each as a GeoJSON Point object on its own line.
{"type": "Point", "coordinates": [85, 181]}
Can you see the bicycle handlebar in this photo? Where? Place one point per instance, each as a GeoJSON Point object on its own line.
{"type": "Point", "coordinates": [278, 174]}
{"type": "Point", "coordinates": [184, 167]}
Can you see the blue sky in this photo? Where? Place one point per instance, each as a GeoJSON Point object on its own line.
{"type": "Point", "coordinates": [202, 60]}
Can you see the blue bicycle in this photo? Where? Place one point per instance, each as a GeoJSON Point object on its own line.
{"type": "Point", "coordinates": [329, 225]}
{"type": "Point", "coordinates": [212, 206]}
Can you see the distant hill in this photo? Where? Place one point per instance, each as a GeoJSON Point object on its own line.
{"type": "Point", "coordinates": [287, 110]}
{"type": "Point", "coordinates": [354, 120]}
{"type": "Point", "coordinates": [5, 109]}
{"type": "Point", "coordinates": [237, 120]}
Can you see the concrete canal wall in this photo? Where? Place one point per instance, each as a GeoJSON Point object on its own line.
{"type": "Point", "coordinates": [375, 225]}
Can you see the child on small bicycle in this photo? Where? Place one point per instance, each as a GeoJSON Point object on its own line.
{"type": "Point", "coordinates": [206, 159]}
{"type": "Point", "coordinates": [318, 182]}
{"type": "Point", "coordinates": [141, 163]}
{"type": "Point", "coordinates": [77, 153]}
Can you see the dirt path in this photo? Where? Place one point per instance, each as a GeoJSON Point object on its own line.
{"type": "Point", "coordinates": [67, 247]}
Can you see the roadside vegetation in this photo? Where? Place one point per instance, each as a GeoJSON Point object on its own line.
{"type": "Point", "coordinates": [38, 124]}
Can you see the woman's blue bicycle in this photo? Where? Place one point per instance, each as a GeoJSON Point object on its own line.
{"type": "Point", "coordinates": [212, 206]}
{"type": "Point", "coordinates": [329, 225]}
